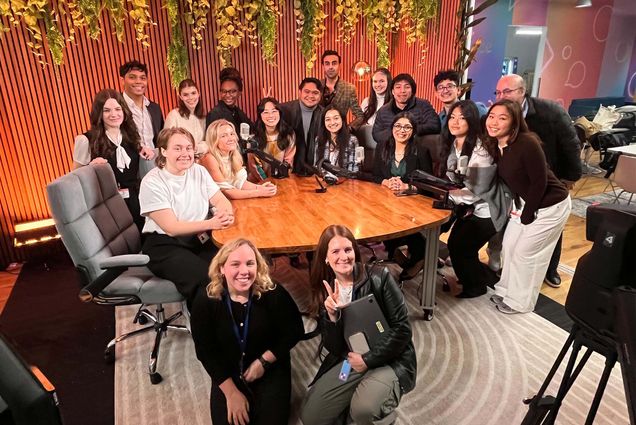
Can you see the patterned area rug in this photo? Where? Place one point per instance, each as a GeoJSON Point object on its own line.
{"type": "Point", "coordinates": [579, 205]}
{"type": "Point", "coordinates": [475, 366]}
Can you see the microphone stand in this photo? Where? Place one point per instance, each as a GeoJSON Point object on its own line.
{"type": "Point", "coordinates": [280, 170]}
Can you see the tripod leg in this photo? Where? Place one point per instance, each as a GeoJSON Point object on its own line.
{"type": "Point", "coordinates": [610, 361]}
{"type": "Point", "coordinates": [539, 406]}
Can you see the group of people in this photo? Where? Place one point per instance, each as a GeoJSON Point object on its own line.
{"type": "Point", "coordinates": [513, 164]}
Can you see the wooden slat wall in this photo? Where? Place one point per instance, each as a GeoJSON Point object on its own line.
{"type": "Point", "coordinates": [43, 108]}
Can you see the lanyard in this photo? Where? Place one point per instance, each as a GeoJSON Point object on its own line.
{"type": "Point", "coordinates": [241, 335]}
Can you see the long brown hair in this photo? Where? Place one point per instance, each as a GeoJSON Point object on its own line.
{"type": "Point", "coordinates": [184, 111]}
{"type": "Point", "coordinates": [320, 270]}
{"type": "Point", "coordinates": [99, 143]}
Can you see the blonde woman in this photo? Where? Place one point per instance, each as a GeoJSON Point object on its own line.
{"type": "Point", "coordinates": [244, 326]}
{"type": "Point", "coordinates": [224, 163]}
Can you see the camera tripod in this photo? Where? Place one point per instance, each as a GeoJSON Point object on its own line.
{"type": "Point", "coordinates": [543, 409]}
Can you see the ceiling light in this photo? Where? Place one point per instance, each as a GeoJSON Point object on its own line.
{"type": "Point", "coordinates": [583, 3]}
{"type": "Point", "coordinates": [529, 31]}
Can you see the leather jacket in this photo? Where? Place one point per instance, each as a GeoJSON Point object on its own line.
{"type": "Point", "coordinates": [395, 348]}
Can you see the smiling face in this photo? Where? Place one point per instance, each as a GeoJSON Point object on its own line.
{"type": "Point", "coordinates": [309, 95]}
{"type": "Point", "coordinates": [341, 257]}
{"type": "Point", "coordinates": [457, 124]}
{"type": "Point", "coordinates": [402, 130]}
{"type": "Point", "coordinates": [447, 92]}
{"type": "Point", "coordinates": [112, 114]}
{"type": "Point", "coordinates": [135, 83]}
{"type": "Point", "coordinates": [190, 97]}
{"type": "Point", "coordinates": [240, 270]}
{"type": "Point", "coordinates": [229, 92]}
{"type": "Point", "coordinates": [227, 140]}
{"type": "Point", "coordinates": [179, 154]}
{"type": "Point", "coordinates": [270, 115]}
{"type": "Point", "coordinates": [333, 121]}
{"type": "Point", "coordinates": [402, 92]}
{"type": "Point", "coordinates": [379, 83]}
{"type": "Point", "coordinates": [510, 87]}
{"type": "Point", "coordinates": [499, 123]}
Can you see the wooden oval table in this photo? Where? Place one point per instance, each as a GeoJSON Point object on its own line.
{"type": "Point", "coordinates": [292, 221]}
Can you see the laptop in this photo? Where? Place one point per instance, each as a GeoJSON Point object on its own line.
{"type": "Point", "coordinates": [363, 318]}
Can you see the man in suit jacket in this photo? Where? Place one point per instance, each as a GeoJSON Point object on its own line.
{"type": "Point", "coordinates": [146, 114]}
{"type": "Point", "coordinates": [561, 145]}
{"type": "Point", "coordinates": [336, 91]}
{"type": "Point", "coordinates": [304, 115]}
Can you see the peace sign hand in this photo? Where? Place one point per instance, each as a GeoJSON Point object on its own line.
{"type": "Point", "coordinates": [331, 302]}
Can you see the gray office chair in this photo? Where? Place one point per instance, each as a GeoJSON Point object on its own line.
{"type": "Point", "coordinates": [103, 242]}
{"type": "Point", "coordinates": [28, 397]}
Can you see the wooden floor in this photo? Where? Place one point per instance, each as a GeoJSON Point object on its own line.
{"type": "Point", "coordinates": [574, 245]}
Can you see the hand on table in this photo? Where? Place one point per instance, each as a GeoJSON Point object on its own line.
{"type": "Point", "coordinates": [266, 189]}
{"type": "Point", "coordinates": [221, 220]}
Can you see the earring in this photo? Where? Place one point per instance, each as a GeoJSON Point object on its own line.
{"type": "Point", "coordinates": [326, 261]}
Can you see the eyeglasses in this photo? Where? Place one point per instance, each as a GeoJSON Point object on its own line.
{"type": "Point", "coordinates": [400, 127]}
{"type": "Point", "coordinates": [232, 91]}
{"type": "Point", "coordinates": [447, 87]}
{"type": "Point", "coordinates": [505, 92]}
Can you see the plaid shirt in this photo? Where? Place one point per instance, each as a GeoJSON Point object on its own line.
{"type": "Point", "coordinates": [344, 98]}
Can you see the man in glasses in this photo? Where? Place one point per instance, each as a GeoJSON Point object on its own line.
{"type": "Point", "coordinates": [561, 145]}
{"type": "Point", "coordinates": [403, 89]}
{"type": "Point", "coordinates": [229, 93]}
{"type": "Point", "coordinates": [447, 91]}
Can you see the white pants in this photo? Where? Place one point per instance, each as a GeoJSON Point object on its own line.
{"type": "Point", "coordinates": [527, 250]}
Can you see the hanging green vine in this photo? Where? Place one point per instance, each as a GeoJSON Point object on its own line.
{"type": "Point", "coordinates": [54, 37]}
{"type": "Point", "coordinates": [381, 16]}
{"type": "Point", "coordinates": [310, 18]}
{"type": "Point", "coordinates": [117, 10]}
{"type": "Point", "coordinates": [86, 13]}
{"type": "Point", "coordinates": [140, 15]}
{"type": "Point", "coordinates": [416, 15]}
{"type": "Point", "coordinates": [347, 15]}
{"type": "Point", "coordinates": [177, 57]}
{"type": "Point", "coordinates": [30, 13]}
{"type": "Point", "coordinates": [229, 34]}
{"type": "Point", "coordinates": [267, 29]}
{"type": "Point", "coordinates": [5, 12]}
{"type": "Point", "coordinates": [196, 15]}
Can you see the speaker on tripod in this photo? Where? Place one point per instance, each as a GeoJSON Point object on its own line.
{"type": "Point", "coordinates": [602, 303]}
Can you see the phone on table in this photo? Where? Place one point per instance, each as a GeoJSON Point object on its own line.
{"type": "Point", "coordinates": [406, 192]}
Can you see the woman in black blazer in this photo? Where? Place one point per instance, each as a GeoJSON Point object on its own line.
{"type": "Point", "coordinates": [394, 160]}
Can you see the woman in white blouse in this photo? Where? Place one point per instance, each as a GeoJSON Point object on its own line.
{"type": "Point", "coordinates": [225, 164]}
{"type": "Point", "coordinates": [190, 113]}
{"type": "Point", "coordinates": [113, 139]}
{"type": "Point", "coordinates": [380, 95]}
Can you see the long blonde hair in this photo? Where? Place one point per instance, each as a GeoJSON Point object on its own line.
{"type": "Point", "coordinates": [212, 140]}
{"type": "Point", "coordinates": [262, 282]}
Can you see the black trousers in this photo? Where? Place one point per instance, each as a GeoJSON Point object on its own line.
{"type": "Point", "coordinates": [183, 261]}
{"type": "Point", "coordinates": [556, 256]}
{"type": "Point", "coordinates": [467, 237]}
{"type": "Point", "coordinates": [415, 242]}
{"type": "Point", "coordinates": [269, 397]}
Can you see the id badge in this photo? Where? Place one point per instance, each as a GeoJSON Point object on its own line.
{"type": "Point", "coordinates": [345, 370]}
{"type": "Point", "coordinates": [203, 237]}
{"type": "Point", "coordinates": [124, 192]}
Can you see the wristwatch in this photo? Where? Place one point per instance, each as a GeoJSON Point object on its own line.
{"type": "Point", "coordinates": [266, 365]}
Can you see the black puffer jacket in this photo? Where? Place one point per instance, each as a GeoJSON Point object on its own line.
{"type": "Point", "coordinates": [395, 348]}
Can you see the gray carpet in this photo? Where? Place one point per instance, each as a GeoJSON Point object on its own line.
{"type": "Point", "coordinates": [475, 365]}
{"type": "Point", "coordinates": [579, 205]}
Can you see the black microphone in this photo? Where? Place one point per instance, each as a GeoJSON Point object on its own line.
{"type": "Point", "coordinates": [335, 170]}
{"type": "Point", "coordinates": [279, 169]}
{"type": "Point", "coordinates": [246, 145]}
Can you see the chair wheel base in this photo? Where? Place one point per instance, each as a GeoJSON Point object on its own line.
{"type": "Point", "coordinates": [109, 355]}
{"type": "Point", "coordinates": [155, 378]}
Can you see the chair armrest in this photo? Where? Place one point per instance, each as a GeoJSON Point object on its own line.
{"type": "Point", "coordinates": [128, 260]}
